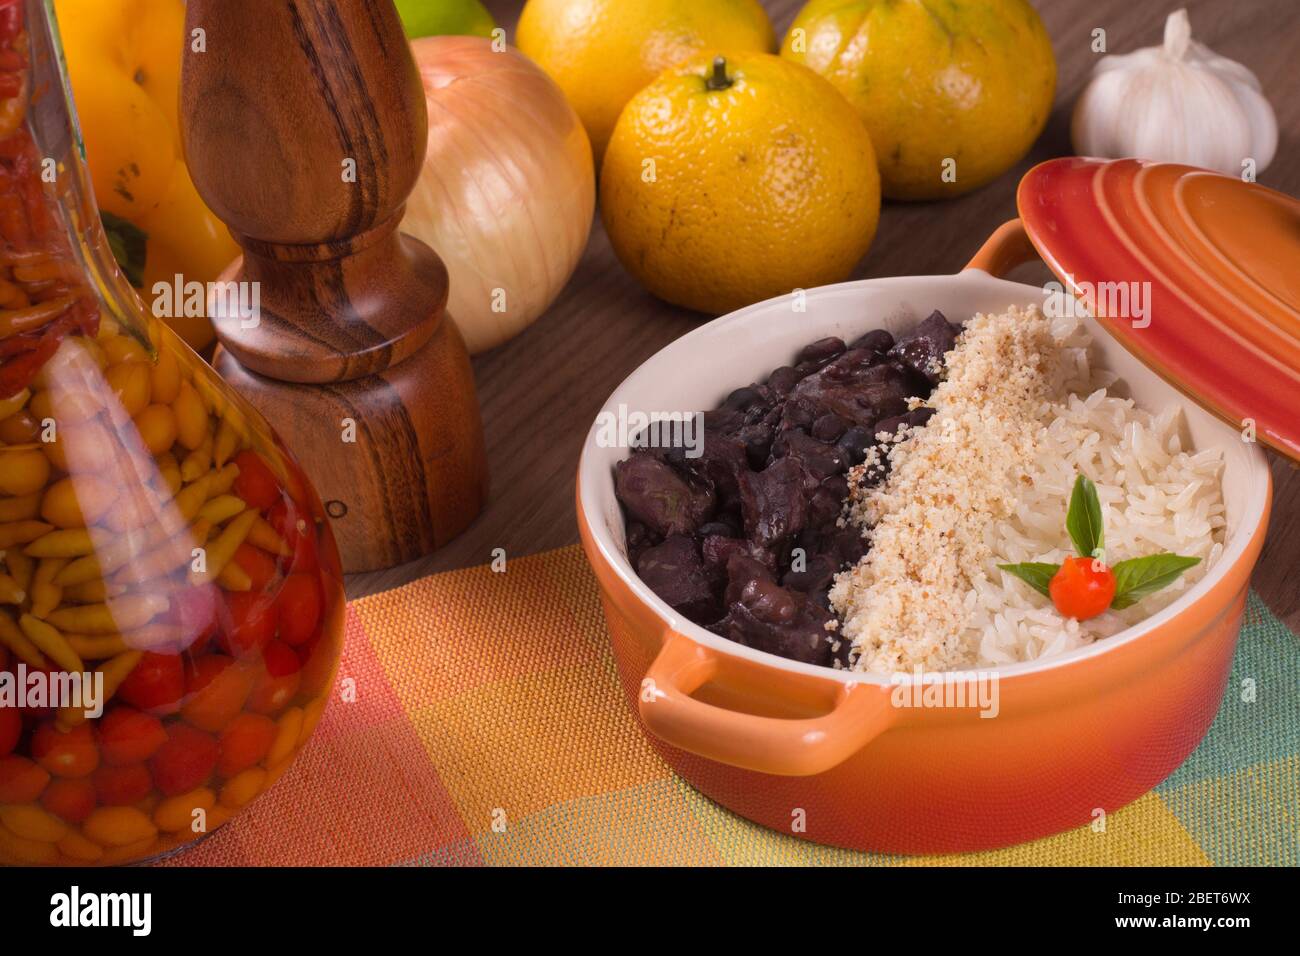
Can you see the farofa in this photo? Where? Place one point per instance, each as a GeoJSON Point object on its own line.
{"type": "Point", "coordinates": [904, 604]}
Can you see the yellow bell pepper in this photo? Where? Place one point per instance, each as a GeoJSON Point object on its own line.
{"type": "Point", "coordinates": [124, 60]}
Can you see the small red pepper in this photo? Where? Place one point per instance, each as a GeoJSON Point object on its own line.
{"type": "Point", "coordinates": [1082, 588]}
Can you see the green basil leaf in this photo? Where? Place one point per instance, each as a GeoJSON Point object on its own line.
{"type": "Point", "coordinates": [1139, 577]}
{"type": "Point", "coordinates": [128, 242]}
{"type": "Point", "coordinates": [1034, 573]}
{"type": "Point", "coordinates": [1083, 520]}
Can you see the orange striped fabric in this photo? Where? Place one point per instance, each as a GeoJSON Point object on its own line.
{"type": "Point", "coordinates": [478, 720]}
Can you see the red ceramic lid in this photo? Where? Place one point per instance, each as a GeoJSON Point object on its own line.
{"type": "Point", "coordinates": [1197, 274]}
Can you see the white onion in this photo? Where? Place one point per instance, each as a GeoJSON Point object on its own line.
{"type": "Point", "coordinates": [507, 190]}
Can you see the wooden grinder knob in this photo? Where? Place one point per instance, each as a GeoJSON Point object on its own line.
{"type": "Point", "coordinates": [304, 128]}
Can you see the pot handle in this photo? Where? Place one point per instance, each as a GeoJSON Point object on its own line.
{"type": "Point", "coordinates": [1008, 247]}
{"type": "Point", "coordinates": [798, 747]}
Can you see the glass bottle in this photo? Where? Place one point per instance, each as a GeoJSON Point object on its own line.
{"type": "Point", "coordinates": [171, 602]}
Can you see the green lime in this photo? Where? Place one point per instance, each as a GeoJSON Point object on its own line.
{"type": "Point", "coordinates": [426, 18]}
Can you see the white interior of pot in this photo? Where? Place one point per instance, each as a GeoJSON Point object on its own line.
{"type": "Point", "coordinates": [698, 370]}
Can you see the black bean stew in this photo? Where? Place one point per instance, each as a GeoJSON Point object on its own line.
{"type": "Point", "coordinates": [743, 537]}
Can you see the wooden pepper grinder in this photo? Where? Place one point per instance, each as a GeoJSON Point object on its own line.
{"type": "Point", "coordinates": [304, 129]}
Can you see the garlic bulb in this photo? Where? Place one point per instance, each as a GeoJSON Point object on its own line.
{"type": "Point", "coordinates": [1178, 102]}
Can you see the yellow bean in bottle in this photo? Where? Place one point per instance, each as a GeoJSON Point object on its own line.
{"type": "Point", "coordinates": [131, 385]}
{"type": "Point", "coordinates": [157, 427]}
{"type": "Point", "coordinates": [177, 813]}
{"type": "Point", "coordinates": [33, 823]}
{"type": "Point", "coordinates": [118, 826]}
{"type": "Point", "coordinates": [23, 471]}
{"type": "Point", "coordinates": [76, 502]}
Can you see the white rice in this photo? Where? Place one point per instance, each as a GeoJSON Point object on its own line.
{"type": "Point", "coordinates": [907, 605]}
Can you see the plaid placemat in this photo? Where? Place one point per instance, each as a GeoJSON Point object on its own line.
{"type": "Point", "coordinates": [478, 719]}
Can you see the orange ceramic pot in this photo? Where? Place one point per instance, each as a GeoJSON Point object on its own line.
{"type": "Point", "coordinates": [840, 758]}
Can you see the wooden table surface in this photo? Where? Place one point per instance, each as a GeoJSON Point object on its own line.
{"type": "Point", "coordinates": [541, 391]}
